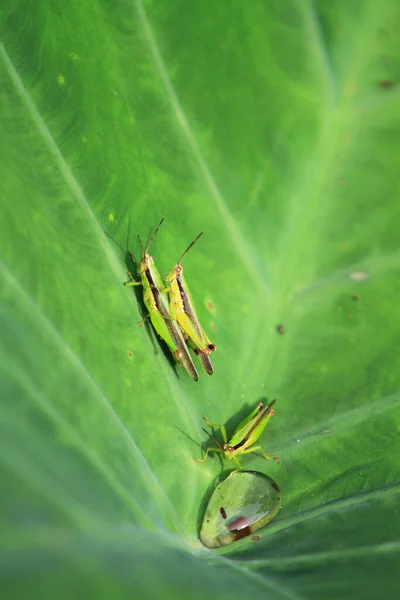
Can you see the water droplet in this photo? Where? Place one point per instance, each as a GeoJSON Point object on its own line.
{"type": "Point", "coordinates": [249, 499]}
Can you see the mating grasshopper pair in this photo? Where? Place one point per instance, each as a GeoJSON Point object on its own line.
{"type": "Point", "coordinates": [171, 309]}
{"type": "Point", "coordinates": [243, 438]}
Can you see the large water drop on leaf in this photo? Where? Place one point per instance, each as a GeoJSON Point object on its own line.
{"type": "Point", "coordinates": [239, 505]}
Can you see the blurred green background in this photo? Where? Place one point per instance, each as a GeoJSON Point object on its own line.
{"type": "Point", "coordinates": [274, 127]}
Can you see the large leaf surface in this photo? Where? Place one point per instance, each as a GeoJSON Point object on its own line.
{"type": "Point", "coordinates": [273, 126]}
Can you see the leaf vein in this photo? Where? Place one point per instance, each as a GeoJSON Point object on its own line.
{"type": "Point", "coordinates": [247, 256]}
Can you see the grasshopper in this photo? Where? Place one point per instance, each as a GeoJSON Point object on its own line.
{"type": "Point", "coordinates": [182, 309]}
{"type": "Point", "coordinates": [243, 438]}
{"type": "Point", "coordinates": [157, 306]}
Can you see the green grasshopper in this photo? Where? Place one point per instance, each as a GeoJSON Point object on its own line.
{"type": "Point", "coordinates": [182, 309]}
{"type": "Point", "coordinates": [157, 306]}
{"type": "Point", "coordinates": [246, 434]}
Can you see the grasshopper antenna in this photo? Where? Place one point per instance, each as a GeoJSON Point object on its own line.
{"type": "Point", "coordinates": [188, 248]}
{"type": "Point", "coordinates": [128, 235]}
{"type": "Point", "coordinates": [115, 242]}
{"type": "Point", "coordinates": [213, 438]}
{"type": "Point", "coordinates": [153, 236]}
{"type": "Point", "coordinates": [141, 245]}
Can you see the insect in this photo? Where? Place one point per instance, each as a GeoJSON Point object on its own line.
{"type": "Point", "coordinates": [243, 438]}
{"type": "Point", "coordinates": [182, 309]}
{"type": "Point", "coordinates": [157, 306]}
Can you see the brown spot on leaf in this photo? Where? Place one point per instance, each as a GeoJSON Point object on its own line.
{"type": "Point", "coordinates": [386, 84]}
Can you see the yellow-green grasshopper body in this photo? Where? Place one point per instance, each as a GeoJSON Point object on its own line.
{"type": "Point", "coordinates": [182, 309]}
{"type": "Point", "coordinates": [243, 438]}
{"type": "Point", "coordinates": [158, 309]}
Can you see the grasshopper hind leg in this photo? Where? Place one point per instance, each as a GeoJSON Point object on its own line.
{"type": "Point", "coordinates": [204, 358]}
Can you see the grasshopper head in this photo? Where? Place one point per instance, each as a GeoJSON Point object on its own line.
{"type": "Point", "coordinates": [175, 272]}
{"type": "Point", "coordinates": [147, 261]}
{"type": "Point", "coordinates": [145, 264]}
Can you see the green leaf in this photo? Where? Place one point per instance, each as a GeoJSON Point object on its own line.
{"type": "Point", "coordinates": [273, 127]}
